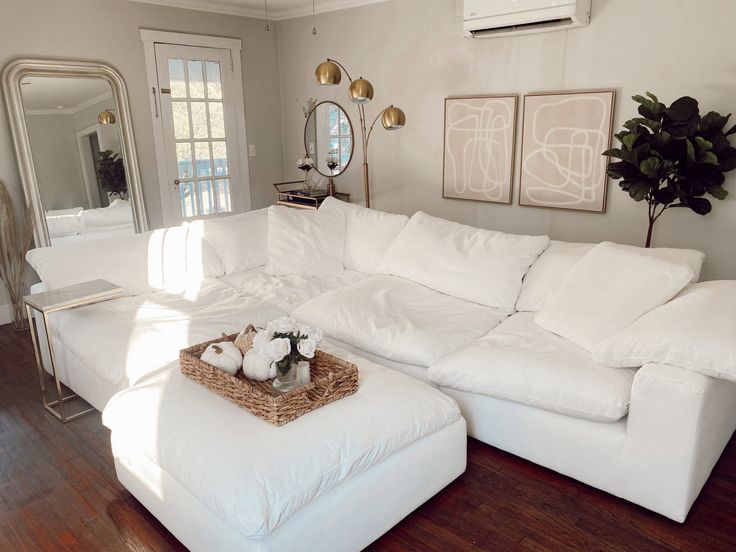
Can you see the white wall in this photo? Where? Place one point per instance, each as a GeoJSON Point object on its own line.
{"type": "Point", "coordinates": [413, 53]}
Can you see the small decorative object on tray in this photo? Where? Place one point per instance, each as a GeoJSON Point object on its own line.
{"type": "Point", "coordinates": [306, 164]}
{"type": "Point", "coordinates": [327, 377]}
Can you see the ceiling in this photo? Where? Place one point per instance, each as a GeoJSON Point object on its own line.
{"type": "Point", "coordinates": [62, 95]}
{"type": "Point", "coordinates": [277, 9]}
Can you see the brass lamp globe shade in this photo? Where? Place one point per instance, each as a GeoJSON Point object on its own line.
{"type": "Point", "coordinates": [328, 73]}
{"type": "Point", "coordinates": [393, 118]}
{"type": "Point", "coordinates": [106, 117]}
{"type": "Point", "coordinates": [360, 91]}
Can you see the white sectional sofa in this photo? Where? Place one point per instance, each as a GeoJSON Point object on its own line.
{"type": "Point", "coordinates": [453, 306]}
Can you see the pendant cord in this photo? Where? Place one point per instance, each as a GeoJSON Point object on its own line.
{"type": "Point", "coordinates": [314, 19]}
{"type": "Point", "coordinates": [268, 27]}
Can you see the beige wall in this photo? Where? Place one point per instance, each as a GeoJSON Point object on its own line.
{"type": "Point", "coordinates": [413, 52]}
{"type": "Point", "coordinates": [108, 30]}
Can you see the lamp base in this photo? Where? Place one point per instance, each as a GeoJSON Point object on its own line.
{"type": "Point", "coordinates": [331, 187]}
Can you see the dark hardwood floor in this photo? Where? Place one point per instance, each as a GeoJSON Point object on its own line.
{"type": "Point", "coordinates": [58, 491]}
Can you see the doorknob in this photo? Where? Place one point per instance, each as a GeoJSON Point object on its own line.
{"type": "Point", "coordinates": [177, 182]}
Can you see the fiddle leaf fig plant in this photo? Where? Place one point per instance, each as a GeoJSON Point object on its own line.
{"type": "Point", "coordinates": [673, 157]}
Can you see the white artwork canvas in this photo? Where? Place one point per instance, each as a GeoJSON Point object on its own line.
{"type": "Point", "coordinates": [479, 148]}
{"type": "Point", "coordinates": [564, 135]}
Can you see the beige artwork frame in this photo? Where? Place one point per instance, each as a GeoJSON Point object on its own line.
{"type": "Point", "coordinates": [472, 169]}
{"type": "Point", "coordinates": [569, 173]}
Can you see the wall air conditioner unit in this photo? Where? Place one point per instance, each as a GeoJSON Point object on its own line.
{"type": "Point", "coordinates": [489, 18]}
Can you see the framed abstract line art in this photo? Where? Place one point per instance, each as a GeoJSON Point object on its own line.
{"type": "Point", "coordinates": [563, 137]}
{"type": "Point", "coordinates": [480, 135]}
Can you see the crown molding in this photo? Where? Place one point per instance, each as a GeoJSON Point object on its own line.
{"type": "Point", "coordinates": [228, 8]}
{"type": "Point", "coordinates": [71, 110]}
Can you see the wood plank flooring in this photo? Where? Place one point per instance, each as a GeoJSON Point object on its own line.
{"type": "Point", "coordinates": [58, 491]}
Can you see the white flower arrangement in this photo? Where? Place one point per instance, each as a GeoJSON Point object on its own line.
{"type": "Point", "coordinates": [285, 342]}
{"type": "Point", "coordinates": [305, 163]}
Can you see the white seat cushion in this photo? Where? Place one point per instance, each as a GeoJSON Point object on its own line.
{"type": "Point", "coordinates": [607, 290]}
{"type": "Point", "coordinates": [289, 292]}
{"type": "Point", "coordinates": [519, 361]}
{"type": "Point", "coordinates": [125, 339]}
{"type": "Point", "coordinates": [695, 331]}
{"type": "Point", "coordinates": [469, 263]}
{"type": "Point", "coordinates": [368, 233]}
{"type": "Point", "coordinates": [255, 476]}
{"type": "Point", "coordinates": [398, 319]}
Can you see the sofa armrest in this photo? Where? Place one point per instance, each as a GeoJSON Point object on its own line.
{"type": "Point", "coordinates": [679, 423]}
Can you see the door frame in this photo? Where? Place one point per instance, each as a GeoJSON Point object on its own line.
{"type": "Point", "coordinates": [150, 38]}
{"type": "Point", "coordinates": [88, 163]}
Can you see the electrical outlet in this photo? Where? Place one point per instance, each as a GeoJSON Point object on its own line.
{"type": "Point", "coordinates": [251, 150]}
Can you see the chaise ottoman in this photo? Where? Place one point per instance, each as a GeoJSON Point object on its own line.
{"type": "Point", "coordinates": [335, 479]}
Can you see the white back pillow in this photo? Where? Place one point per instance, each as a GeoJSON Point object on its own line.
{"type": "Point", "coordinates": [695, 331]}
{"type": "Point", "coordinates": [239, 240]}
{"type": "Point", "coordinates": [607, 290]}
{"type": "Point", "coordinates": [478, 265]}
{"type": "Point", "coordinates": [368, 233]}
{"type": "Point", "coordinates": [171, 259]}
{"type": "Point", "coordinates": [553, 266]}
{"type": "Point", "coordinates": [305, 242]}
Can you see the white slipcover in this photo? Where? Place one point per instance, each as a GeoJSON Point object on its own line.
{"type": "Point", "coordinates": [127, 338]}
{"type": "Point", "coordinates": [398, 319]}
{"type": "Point", "coordinates": [521, 362]}
{"type": "Point", "coordinates": [255, 476]}
{"type": "Point", "coordinates": [470, 263]}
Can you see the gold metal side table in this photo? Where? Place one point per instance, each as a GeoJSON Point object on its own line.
{"type": "Point", "coordinates": [45, 303]}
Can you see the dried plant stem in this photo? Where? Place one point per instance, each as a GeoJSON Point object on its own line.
{"type": "Point", "coordinates": [12, 255]}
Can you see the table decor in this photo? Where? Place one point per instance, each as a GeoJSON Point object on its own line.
{"type": "Point", "coordinates": [331, 379]}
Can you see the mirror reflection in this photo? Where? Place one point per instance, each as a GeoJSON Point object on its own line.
{"type": "Point", "coordinates": [74, 134]}
{"type": "Point", "coordinates": [328, 138]}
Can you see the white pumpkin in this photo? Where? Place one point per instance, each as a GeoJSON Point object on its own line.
{"type": "Point", "coordinates": [258, 366]}
{"type": "Point", "coordinates": [226, 356]}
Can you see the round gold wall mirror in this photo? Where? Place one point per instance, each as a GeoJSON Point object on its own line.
{"type": "Point", "coordinates": [328, 138]}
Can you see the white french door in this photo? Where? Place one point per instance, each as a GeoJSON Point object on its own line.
{"type": "Point", "coordinates": [200, 134]}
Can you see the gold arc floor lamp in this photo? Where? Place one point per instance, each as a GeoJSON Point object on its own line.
{"type": "Point", "coordinates": [329, 73]}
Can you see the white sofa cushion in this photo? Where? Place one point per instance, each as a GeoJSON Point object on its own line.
{"type": "Point", "coordinates": [172, 259]}
{"type": "Point", "coordinates": [368, 233]}
{"type": "Point", "coordinates": [125, 339]}
{"type": "Point", "coordinates": [548, 272]}
{"type": "Point", "coordinates": [478, 265]}
{"type": "Point", "coordinates": [519, 361]}
{"type": "Point", "coordinates": [398, 319]}
{"type": "Point", "coordinates": [239, 240]}
{"type": "Point", "coordinates": [305, 242]}
{"type": "Point", "coordinates": [289, 292]}
{"type": "Point", "coordinates": [255, 476]}
{"type": "Point", "coordinates": [695, 331]}
{"type": "Point", "coordinates": [607, 290]}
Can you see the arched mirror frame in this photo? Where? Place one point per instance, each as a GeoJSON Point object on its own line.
{"type": "Point", "coordinates": [13, 74]}
{"type": "Point", "coordinates": [352, 138]}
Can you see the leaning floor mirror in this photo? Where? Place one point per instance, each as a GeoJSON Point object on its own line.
{"type": "Point", "coordinates": [76, 153]}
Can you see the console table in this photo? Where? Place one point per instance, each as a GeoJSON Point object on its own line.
{"type": "Point", "coordinates": [290, 194]}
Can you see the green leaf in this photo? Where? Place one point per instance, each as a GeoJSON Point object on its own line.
{"type": "Point", "coordinates": [700, 205]}
{"type": "Point", "coordinates": [629, 141]}
{"type": "Point", "coordinates": [650, 166]}
{"type": "Point", "coordinates": [614, 152]}
{"type": "Point", "coordinates": [656, 126]}
{"type": "Point", "coordinates": [702, 144]}
{"type": "Point", "coordinates": [664, 196]}
{"type": "Point", "coordinates": [639, 190]}
{"type": "Point", "coordinates": [708, 157]}
{"type": "Point", "coordinates": [718, 192]}
{"type": "Point", "coordinates": [683, 109]}
{"type": "Point", "coordinates": [690, 152]}
{"type": "Point", "coordinates": [713, 122]}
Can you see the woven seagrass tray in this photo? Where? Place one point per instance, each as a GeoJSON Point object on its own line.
{"type": "Point", "coordinates": [331, 379]}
